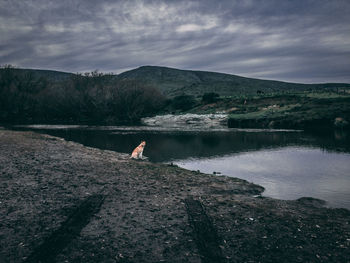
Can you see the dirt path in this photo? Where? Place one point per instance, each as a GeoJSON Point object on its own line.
{"type": "Point", "coordinates": [63, 202]}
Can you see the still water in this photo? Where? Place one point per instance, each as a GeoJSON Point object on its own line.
{"type": "Point", "coordinates": [289, 164]}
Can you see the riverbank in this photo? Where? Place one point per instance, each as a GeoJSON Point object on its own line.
{"type": "Point", "coordinates": [311, 111]}
{"type": "Point", "coordinates": [64, 202]}
{"type": "Point", "coordinates": [187, 121]}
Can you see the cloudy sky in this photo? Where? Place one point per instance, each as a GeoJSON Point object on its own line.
{"type": "Point", "coordinates": [299, 41]}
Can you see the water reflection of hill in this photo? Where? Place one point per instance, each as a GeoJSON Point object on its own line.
{"type": "Point", "coordinates": [165, 146]}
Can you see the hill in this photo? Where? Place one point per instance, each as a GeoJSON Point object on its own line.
{"type": "Point", "coordinates": [173, 82]}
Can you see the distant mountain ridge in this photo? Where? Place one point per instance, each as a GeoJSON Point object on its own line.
{"type": "Point", "coordinates": [173, 82]}
{"type": "Point", "coordinates": [38, 73]}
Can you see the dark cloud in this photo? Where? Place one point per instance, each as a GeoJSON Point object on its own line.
{"type": "Point", "coordinates": [299, 41]}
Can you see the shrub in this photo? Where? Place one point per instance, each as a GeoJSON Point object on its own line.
{"type": "Point", "coordinates": [131, 101]}
{"type": "Point", "coordinates": [183, 102]}
{"type": "Point", "coordinates": [210, 97]}
{"type": "Point", "coordinates": [26, 97]}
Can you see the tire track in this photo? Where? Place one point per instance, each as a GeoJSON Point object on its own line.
{"type": "Point", "coordinates": [69, 229]}
{"type": "Point", "coordinates": [204, 232]}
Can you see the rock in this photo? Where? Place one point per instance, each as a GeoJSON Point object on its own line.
{"type": "Point", "coordinates": [340, 122]}
{"type": "Point", "coordinates": [272, 124]}
{"type": "Point", "coordinates": [310, 201]}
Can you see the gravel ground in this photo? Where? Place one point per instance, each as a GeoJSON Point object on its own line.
{"type": "Point", "coordinates": [64, 202]}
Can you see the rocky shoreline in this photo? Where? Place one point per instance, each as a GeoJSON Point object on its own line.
{"type": "Point", "coordinates": [187, 121]}
{"type": "Point", "coordinates": [64, 202]}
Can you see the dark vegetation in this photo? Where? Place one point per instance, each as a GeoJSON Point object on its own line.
{"type": "Point", "coordinates": [321, 110]}
{"type": "Point", "coordinates": [33, 96]}
{"type": "Point", "coordinates": [210, 97]}
{"type": "Point", "coordinates": [307, 111]}
{"type": "Point", "coordinates": [42, 96]}
{"type": "Point", "coordinates": [182, 102]}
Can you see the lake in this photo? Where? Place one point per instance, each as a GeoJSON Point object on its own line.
{"type": "Point", "coordinates": [289, 164]}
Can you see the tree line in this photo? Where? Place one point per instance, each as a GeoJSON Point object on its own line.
{"type": "Point", "coordinates": [92, 98]}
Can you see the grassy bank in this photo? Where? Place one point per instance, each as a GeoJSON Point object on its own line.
{"type": "Point", "coordinates": [302, 110]}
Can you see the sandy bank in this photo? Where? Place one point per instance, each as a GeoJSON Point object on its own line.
{"type": "Point", "coordinates": [63, 202]}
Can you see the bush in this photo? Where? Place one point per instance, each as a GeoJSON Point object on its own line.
{"type": "Point", "coordinates": [83, 98]}
{"type": "Point", "coordinates": [131, 101]}
{"type": "Point", "coordinates": [210, 97]}
{"type": "Point", "coordinates": [183, 102]}
{"type": "Point", "coordinates": [340, 122]}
